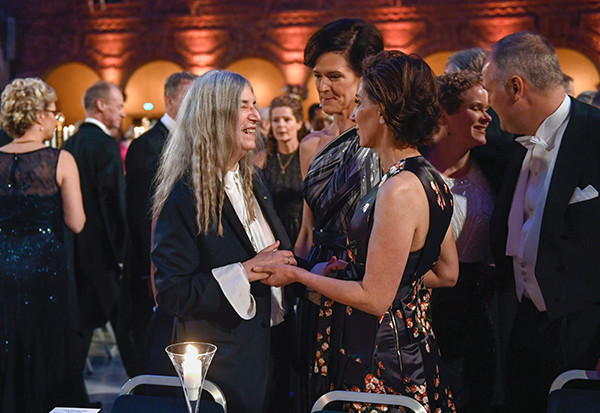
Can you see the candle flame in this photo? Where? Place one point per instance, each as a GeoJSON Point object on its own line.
{"type": "Point", "coordinates": [191, 353]}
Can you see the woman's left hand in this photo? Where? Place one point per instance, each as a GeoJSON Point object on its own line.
{"type": "Point", "coordinates": [279, 274]}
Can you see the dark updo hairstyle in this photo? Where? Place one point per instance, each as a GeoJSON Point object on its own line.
{"type": "Point", "coordinates": [296, 106]}
{"type": "Point", "coordinates": [407, 93]}
{"type": "Point", "coordinates": [452, 87]}
{"type": "Point", "coordinates": [355, 39]}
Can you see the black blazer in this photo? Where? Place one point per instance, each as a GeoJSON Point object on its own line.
{"type": "Point", "coordinates": [5, 138]}
{"type": "Point", "coordinates": [188, 291]}
{"type": "Point", "coordinates": [566, 266]}
{"type": "Point", "coordinates": [141, 164]}
{"type": "Point", "coordinates": [99, 248]}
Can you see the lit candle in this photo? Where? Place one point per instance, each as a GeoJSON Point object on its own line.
{"type": "Point", "coordinates": [192, 372]}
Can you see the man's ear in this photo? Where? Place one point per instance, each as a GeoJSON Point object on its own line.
{"type": "Point", "coordinates": [515, 85]}
{"type": "Point", "coordinates": [100, 104]}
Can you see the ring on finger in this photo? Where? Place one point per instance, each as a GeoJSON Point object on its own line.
{"type": "Point", "coordinates": [289, 261]}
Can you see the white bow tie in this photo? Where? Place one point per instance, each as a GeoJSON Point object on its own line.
{"type": "Point", "coordinates": [529, 142]}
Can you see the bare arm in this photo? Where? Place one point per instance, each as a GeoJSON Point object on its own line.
{"type": "Point", "coordinates": [445, 271]}
{"type": "Point", "coordinates": [399, 227]}
{"type": "Point", "coordinates": [67, 178]}
{"type": "Point", "coordinates": [308, 149]}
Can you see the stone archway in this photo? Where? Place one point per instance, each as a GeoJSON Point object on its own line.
{"type": "Point", "coordinates": [70, 81]}
{"type": "Point", "coordinates": [145, 90]}
{"type": "Point", "coordinates": [437, 61]}
{"type": "Point", "coordinates": [266, 79]}
{"type": "Point", "coordinates": [580, 68]}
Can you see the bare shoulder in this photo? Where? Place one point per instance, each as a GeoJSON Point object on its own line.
{"type": "Point", "coordinates": [310, 143]}
{"type": "Point", "coordinates": [309, 147]}
{"type": "Point", "coordinates": [402, 191]}
{"type": "Point", "coordinates": [66, 158]}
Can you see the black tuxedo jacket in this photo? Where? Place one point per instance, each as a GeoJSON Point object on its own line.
{"type": "Point", "coordinates": [566, 267]}
{"type": "Point", "coordinates": [188, 291]}
{"type": "Point", "coordinates": [5, 138]}
{"type": "Point", "coordinates": [141, 164]}
{"type": "Point", "coordinates": [99, 248]}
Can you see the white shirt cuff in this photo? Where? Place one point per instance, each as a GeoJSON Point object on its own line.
{"type": "Point", "coordinates": [234, 283]}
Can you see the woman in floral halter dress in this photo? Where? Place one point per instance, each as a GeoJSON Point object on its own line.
{"type": "Point", "coordinates": [399, 241]}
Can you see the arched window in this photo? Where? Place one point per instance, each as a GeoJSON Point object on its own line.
{"type": "Point", "coordinates": [145, 90]}
{"type": "Point", "coordinates": [70, 81]}
{"type": "Point", "coordinates": [580, 68]}
{"type": "Point", "coordinates": [266, 79]}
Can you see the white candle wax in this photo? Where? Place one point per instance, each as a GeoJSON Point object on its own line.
{"type": "Point", "coordinates": [192, 372]}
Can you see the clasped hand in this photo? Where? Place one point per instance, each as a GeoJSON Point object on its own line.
{"type": "Point", "coordinates": [268, 257]}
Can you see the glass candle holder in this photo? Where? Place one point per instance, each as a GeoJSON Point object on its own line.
{"type": "Point", "coordinates": [191, 361]}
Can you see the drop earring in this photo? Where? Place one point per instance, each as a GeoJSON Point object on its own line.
{"type": "Point", "coordinates": [381, 121]}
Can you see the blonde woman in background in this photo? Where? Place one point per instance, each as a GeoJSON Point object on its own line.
{"type": "Point", "coordinates": [39, 195]}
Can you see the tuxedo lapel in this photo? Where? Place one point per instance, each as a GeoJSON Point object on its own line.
{"type": "Point", "coordinates": [499, 224]}
{"type": "Point", "coordinates": [236, 225]}
{"type": "Point", "coordinates": [163, 132]}
{"type": "Point", "coordinates": [568, 167]}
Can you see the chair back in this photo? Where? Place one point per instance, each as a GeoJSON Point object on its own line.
{"type": "Point", "coordinates": [361, 397]}
{"type": "Point", "coordinates": [127, 402]}
{"type": "Point", "coordinates": [561, 400]}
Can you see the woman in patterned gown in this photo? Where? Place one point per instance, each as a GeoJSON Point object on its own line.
{"type": "Point", "coordinates": [337, 174]}
{"type": "Point", "coordinates": [282, 168]}
{"type": "Point", "coordinates": [39, 193]}
{"type": "Point", "coordinates": [399, 239]}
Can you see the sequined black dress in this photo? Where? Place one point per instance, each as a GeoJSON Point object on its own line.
{"type": "Point", "coordinates": [285, 185]}
{"type": "Point", "coordinates": [34, 316]}
{"type": "Point", "coordinates": [397, 352]}
{"type": "Point", "coordinates": [340, 175]}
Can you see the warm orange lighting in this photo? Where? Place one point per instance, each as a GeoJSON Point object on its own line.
{"type": "Point", "coordinates": [112, 75]}
{"type": "Point", "coordinates": [408, 37]}
{"type": "Point", "coordinates": [265, 78]}
{"type": "Point", "coordinates": [296, 73]}
{"type": "Point", "coordinates": [492, 29]}
{"type": "Point", "coordinates": [200, 70]}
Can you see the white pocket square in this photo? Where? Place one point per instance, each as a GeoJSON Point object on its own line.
{"type": "Point", "coordinates": [585, 194]}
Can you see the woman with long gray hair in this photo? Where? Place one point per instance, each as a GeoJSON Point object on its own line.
{"type": "Point", "coordinates": [214, 223]}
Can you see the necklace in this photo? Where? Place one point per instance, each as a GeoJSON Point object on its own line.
{"type": "Point", "coordinates": [17, 142]}
{"type": "Point", "coordinates": [284, 166]}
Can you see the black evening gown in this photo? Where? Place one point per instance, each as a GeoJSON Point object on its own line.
{"type": "Point", "coordinates": [338, 177]}
{"type": "Point", "coordinates": [34, 316]}
{"type": "Point", "coordinates": [285, 185]}
{"type": "Point", "coordinates": [396, 353]}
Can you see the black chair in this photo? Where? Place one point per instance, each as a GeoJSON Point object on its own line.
{"type": "Point", "coordinates": [568, 400]}
{"type": "Point", "coordinates": [133, 403]}
{"type": "Point", "coordinates": [360, 397]}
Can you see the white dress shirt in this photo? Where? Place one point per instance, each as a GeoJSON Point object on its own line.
{"type": "Point", "coordinates": [98, 124]}
{"type": "Point", "coordinates": [233, 278]}
{"type": "Point", "coordinates": [529, 199]}
{"type": "Point", "coordinates": [169, 122]}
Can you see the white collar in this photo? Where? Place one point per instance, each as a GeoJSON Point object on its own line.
{"type": "Point", "coordinates": [98, 124]}
{"type": "Point", "coordinates": [231, 177]}
{"type": "Point", "coordinates": [168, 121]}
{"type": "Point", "coordinates": [547, 130]}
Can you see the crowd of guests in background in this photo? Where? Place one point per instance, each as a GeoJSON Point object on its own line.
{"type": "Point", "coordinates": [432, 237]}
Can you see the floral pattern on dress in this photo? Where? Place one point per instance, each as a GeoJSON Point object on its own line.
{"type": "Point", "coordinates": [405, 355]}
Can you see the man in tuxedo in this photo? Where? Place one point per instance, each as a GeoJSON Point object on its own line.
{"type": "Point", "coordinates": [141, 164]}
{"type": "Point", "coordinates": [98, 250]}
{"type": "Point", "coordinates": [5, 139]}
{"type": "Point", "coordinates": [546, 222]}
